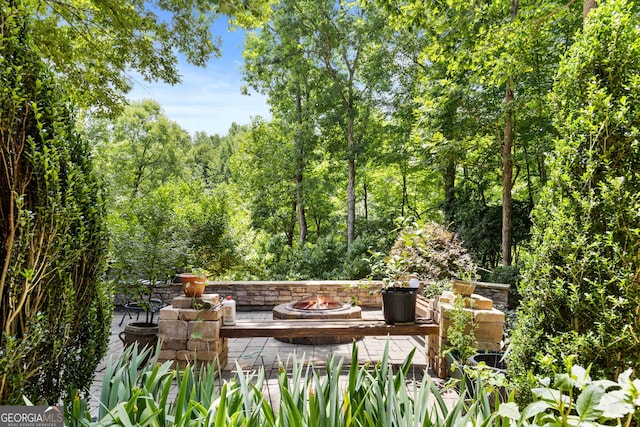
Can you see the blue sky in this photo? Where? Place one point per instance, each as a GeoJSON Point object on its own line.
{"type": "Point", "coordinates": [208, 99]}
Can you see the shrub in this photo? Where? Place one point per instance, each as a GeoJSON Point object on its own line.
{"type": "Point", "coordinates": [55, 315]}
{"type": "Point", "coordinates": [479, 225]}
{"type": "Point", "coordinates": [432, 252]}
{"type": "Point", "coordinates": [580, 282]}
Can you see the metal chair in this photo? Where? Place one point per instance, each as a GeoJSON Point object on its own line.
{"type": "Point", "coordinates": [155, 304]}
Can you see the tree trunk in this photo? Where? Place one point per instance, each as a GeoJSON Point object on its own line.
{"type": "Point", "coordinates": [529, 183]}
{"type": "Point", "coordinates": [302, 219]}
{"type": "Point", "coordinates": [351, 185]}
{"type": "Point", "coordinates": [507, 174]}
{"type": "Point", "coordinates": [507, 161]}
{"type": "Point", "coordinates": [365, 190]}
{"type": "Point", "coordinates": [290, 225]}
{"type": "Point", "coordinates": [449, 191]}
{"type": "Point", "coordinates": [587, 5]}
{"type": "Point", "coordinates": [405, 198]}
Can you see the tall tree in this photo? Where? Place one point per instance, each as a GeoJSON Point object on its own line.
{"type": "Point", "coordinates": [330, 59]}
{"type": "Point", "coordinates": [262, 171]}
{"type": "Point", "coordinates": [490, 54]}
{"type": "Point", "coordinates": [142, 149]}
{"type": "Point", "coordinates": [279, 64]}
{"type": "Point", "coordinates": [507, 157]}
{"type": "Point", "coordinates": [351, 43]}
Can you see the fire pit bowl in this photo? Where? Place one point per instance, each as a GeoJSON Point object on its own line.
{"type": "Point", "coordinates": [316, 307]}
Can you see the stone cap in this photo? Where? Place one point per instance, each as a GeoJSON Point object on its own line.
{"type": "Point", "coordinates": [478, 302]}
{"type": "Point", "coordinates": [188, 302]}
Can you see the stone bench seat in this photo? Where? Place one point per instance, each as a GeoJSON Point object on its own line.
{"type": "Point", "coordinates": [323, 327]}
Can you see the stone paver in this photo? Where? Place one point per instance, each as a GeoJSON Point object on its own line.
{"type": "Point", "coordinates": [252, 353]}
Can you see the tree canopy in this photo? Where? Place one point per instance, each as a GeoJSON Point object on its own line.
{"type": "Point", "coordinates": [93, 46]}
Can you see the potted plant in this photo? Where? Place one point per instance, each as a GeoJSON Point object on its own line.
{"type": "Point", "coordinates": [147, 246]}
{"type": "Point", "coordinates": [141, 299]}
{"type": "Point", "coordinates": [399, 292]}
{"type": "Point", "coordinates": [194, 281]}
{"type": "Point", "coordinates": [427, 251]}
{"type": "Point", "coordinates": [463, 285]}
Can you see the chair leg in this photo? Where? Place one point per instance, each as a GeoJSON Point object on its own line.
{"type": "Point", "coordinates": [126, 311]}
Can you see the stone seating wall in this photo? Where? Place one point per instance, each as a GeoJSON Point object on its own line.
{"type": "Point", "coordinates": [264, 295]}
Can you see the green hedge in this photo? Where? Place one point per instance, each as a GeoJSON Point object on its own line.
{"type": "Point", "coordinates": [580, 285]}
{"type": "Point", "coordinates": [55, 315]}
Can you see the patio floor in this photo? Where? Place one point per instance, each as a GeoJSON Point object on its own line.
{"type": "Point", "coordinates": [251, 353]}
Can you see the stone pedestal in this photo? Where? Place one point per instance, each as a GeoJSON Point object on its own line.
{"type": "Point", "coordinates": [190, 333]}
{"type": "Point", "coordinates": [489, 327]}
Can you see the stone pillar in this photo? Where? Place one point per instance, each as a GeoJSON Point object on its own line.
{"type": "Point", "coordinates": [190, 333]}
{"type": "Point", "coordinates": [489, 327]}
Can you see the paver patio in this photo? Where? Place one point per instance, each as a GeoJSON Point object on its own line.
{"type": "Point", "coordinates": [251, 353]}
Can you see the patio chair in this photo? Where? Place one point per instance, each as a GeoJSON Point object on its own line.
{"type": "Point", "coordinates": [155, 304]}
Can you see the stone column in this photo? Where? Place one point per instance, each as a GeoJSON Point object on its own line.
{"type": "Point", "coordinates": [488, 333]}
{"type": "Point", "coordinates": [190, 333]}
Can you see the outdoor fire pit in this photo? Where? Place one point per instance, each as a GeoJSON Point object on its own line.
{"type": "Point", "coordinates": [316, 307]}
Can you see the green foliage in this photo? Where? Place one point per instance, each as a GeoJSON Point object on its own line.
{"type": "Point", "coordinates": [54, 311]}
{"type": "Point", "coordinates": [264, 169]}
{"type": "Point", "coordinates": [576, 399]}
{"type": "Point", "coordinates": [139, 151]}
{"type": "Point", "coordinates": [94, 45]}
{"type": "Point", "coordinates": [148, 243]}
{"type": "Point", "coordinates": [208, 232]}
{"type": "Point", "coordinates": [461, 332]}
{"type": "Point", "coordinates": [137, 394]}
{"type": "Point", "coordinates": [173, 226]}
{"type": "Point", "coordinates": [464, 113]}
{"type": "Point", "coordinates": [430, 251]}
{"type": "Point", "coordinates": [167, 210]}
{"type": "Point", "coordinates": [510, 275]}
{"type": "Point", "coordinates": [133, 393]}
{"type": "Point", "coordinates": [325, 259]}
{"type": "Point", "coordinates": [324, 66]}
{"type": "Point", "coordinates": [480, 226]}
{"type": "Point", "coordinates": [209, 156]}
{"type": "Point", "coordinates": [579, 286]}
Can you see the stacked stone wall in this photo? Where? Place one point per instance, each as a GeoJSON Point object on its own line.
{"type": "Point", "coordinates": [489, 328]}
{"type": "Point", "coordinates": [191, 335]}
{"type": "Point", "coordinates": [264, 295]}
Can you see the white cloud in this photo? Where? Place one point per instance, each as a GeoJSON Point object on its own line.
{"type": "Point", "coordinates": [208, 99]}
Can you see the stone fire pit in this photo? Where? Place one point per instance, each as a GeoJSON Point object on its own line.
{"type": "Point", "coordinates": [316, 307]}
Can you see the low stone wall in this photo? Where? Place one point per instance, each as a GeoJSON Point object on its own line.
{"type": "Point", "coordinates": [496, 292]}
{"type": "Point", "coordinates": [264, 295]}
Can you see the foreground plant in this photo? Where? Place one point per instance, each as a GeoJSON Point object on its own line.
{"type": "Point", "coordinates": [378, 395]}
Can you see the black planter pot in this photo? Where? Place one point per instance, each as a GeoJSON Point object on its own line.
{"type": "Point", "coordinates": [399, 305]}
{"type": "Point", "coordinates": [493, 360]}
